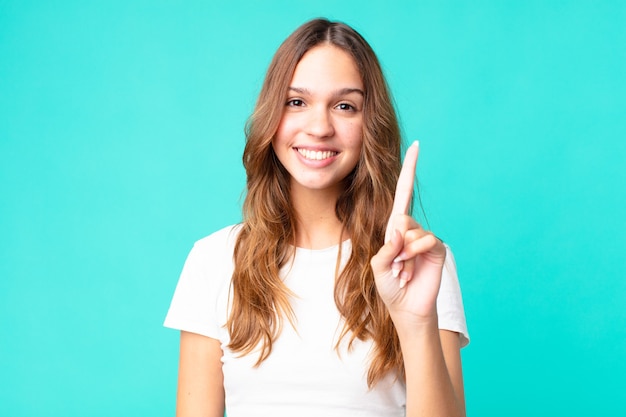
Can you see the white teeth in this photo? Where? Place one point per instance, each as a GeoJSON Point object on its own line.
{"type": "Point", "coordinates": [316, 155]}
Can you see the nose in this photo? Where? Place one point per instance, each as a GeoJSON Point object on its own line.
{"type": "Point", "coordinates": [319, 123]}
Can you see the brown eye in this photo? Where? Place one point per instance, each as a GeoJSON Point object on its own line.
{"type": "Point", "coordinates": [295, 102]}
{"type": "Point", "coordinates": [346, 107]}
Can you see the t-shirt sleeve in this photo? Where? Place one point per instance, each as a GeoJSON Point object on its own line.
{"type": "Point", "coordinates": [450, 302]}
{"type": "Point", "coordinates": [203, 281]}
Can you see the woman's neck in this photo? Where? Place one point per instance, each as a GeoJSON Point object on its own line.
{"type": "Point", "coordinates": [317, 225]}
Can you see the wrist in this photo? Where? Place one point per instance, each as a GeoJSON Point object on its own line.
{"type": "Point", "coordinates": [409, 326]}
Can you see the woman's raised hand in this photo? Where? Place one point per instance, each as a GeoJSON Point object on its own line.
{"type": "Point", "coordinates": [408, 267]}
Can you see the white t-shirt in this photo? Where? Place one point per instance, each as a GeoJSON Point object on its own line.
{"type": "Point", "coordinates": [304, 375]}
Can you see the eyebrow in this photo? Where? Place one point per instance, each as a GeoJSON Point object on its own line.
{"type": "Point", "coordinates": [340, 92]}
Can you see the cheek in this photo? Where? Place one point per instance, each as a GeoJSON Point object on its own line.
{"type": "Point", "coordinates": [283, 132]}
{"type": "Point", "coordinates": [353, 132]}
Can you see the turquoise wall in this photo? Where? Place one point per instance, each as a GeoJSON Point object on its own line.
{"type": "Point", "coordinates": [120, 142]}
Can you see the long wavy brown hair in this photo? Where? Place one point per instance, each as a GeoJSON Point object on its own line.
{"type": "Point", "coordinates": [260, 299]}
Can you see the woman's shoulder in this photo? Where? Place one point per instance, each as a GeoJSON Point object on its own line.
{"type": "Point", "coordinates": [203, 284]}
{"type": "Point", "coordinates": [222, 239]}
{"type": "Point", "coordinates": [215, 249]}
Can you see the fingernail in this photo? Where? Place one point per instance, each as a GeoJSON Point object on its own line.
{"type": "Point", "coordinates": [404, 278]}
{"type": "Point", "coordinates": [396, 267]}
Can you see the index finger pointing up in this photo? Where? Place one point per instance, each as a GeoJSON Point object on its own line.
{"type": "Point", "coordinates": [404, 187]}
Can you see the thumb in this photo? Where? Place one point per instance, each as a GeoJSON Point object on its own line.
{"type": "Point", "coordinates": [381, 262]}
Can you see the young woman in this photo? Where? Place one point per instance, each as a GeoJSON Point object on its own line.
{"type": "Point", "coordinates": [329, 299]}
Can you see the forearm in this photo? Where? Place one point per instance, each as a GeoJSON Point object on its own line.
{"type": "Point", "coordinates": [430, 389]}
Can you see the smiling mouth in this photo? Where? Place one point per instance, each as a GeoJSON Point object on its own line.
{"type": "Point", "coordinates": [316, 155]}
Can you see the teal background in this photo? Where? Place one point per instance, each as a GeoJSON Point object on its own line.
{"type": "Point", "coordinates": [121, 133]}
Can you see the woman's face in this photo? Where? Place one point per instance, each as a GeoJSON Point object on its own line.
{"type": "Point", "coordinates": [320, 134]}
